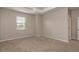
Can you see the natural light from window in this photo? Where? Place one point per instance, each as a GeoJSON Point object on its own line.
{"type": "Point", "coordinates": [21, 22]}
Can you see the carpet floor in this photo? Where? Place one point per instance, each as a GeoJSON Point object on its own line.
{"type": "Point", "coordinates": [38, 44]}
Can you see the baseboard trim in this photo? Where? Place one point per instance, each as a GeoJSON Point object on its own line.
{"type": "Point", "coordinates": [16, 38]}
{"type": "Point", "coordinates": [32, 36]}
{"type": "Point", "coordinates": [66, 41]}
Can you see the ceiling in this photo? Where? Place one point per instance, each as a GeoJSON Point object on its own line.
{"type": "Point", "coordinates": [41, 8]}
{"type": "Point", "coordinates": [32, 10]}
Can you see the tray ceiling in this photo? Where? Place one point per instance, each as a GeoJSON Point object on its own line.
{"type": "Point", "coordinates": [31, 10]}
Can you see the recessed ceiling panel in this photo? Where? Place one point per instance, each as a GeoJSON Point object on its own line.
{"type": "Point", "coordinates": [32, 10]}
{"type": "Point", "coordinates": [41, 8]}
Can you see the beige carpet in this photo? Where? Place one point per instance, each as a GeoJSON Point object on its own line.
{"type": "Point", "coordinates": [38, 44]}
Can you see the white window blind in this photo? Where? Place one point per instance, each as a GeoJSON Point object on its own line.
{"type": "Point", "coordinates": [21, 22]}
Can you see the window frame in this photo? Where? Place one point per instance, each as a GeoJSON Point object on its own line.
{"type": "Point", "coordinates": [20, 20]}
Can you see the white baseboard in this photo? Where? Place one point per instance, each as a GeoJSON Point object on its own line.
{"type": "Point", "coordinates": [31, 35]}
{"type": "Point", "coordinates": [66, 41]}
{"type": "Point", "coordinates": [16, 38]}
{"type": "Point", "coordinates": [38, 35]}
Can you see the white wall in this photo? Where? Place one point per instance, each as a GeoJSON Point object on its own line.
{"type": "Point", "coordinates": [56, 24]}
{"type": "Point", "coordinates": [38, 24]}
{"type": "Point", "coordinates": [8, 25]}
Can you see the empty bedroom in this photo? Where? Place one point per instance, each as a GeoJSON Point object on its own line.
{"type": "Point", "coordinates": [39, 29]}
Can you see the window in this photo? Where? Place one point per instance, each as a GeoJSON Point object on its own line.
{"type": "Point", "coordinates": [21, 22]}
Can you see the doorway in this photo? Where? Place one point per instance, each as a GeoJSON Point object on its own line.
{"type": "Point", "coordinates": [74, 23]}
